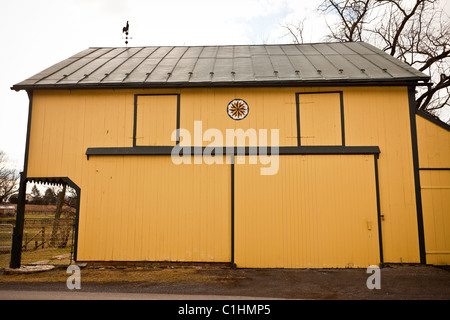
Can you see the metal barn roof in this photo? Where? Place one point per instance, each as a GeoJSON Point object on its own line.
{"type": "Point", "coordinates": [169, 66]}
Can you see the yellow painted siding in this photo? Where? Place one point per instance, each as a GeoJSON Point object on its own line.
{"type": "Point", "coordinates": [269, 108]}
{"type": "Point", "coordinates": [436, 215]}
{"type": "Point", "coordinates": [156, 120]}
{"type": "Point", "coordinates": [317, 212]}
{"type": "Point", "coordinates": [433, 144]}
{"type": "Point", "coordinates": [145, 208]}
{"type": "Point", "coordinates": [65, 123]}
{"type": "Point", "coordinates": [320, 119]}
{"type": "Point", "coordinates": [379, 116]}
{"type": "Point", "coordinates": [434, 152]}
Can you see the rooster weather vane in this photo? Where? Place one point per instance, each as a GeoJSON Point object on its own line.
{"type": "Point", "coordinates": [125, 30]}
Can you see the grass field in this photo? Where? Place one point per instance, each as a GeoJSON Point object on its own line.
{"type": "Point", "coordinates": [38, 227]}
{"type": "Point", "coordinates": [40, 255]}
{"type": "Point", "coordinates": [129, 274]}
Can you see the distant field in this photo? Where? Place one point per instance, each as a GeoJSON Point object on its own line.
{"type": "Point", "coordinates": [39, 223]}
{"type": "Point", "coordinates": [38, 207]}
{"type": "Point", "coordinates": [37, 211]}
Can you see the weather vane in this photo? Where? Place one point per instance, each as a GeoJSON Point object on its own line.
{"type": "Point", "coordinates": [125, 30]}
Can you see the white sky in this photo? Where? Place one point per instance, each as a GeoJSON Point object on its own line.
{"type": "Point", "coordinates": [39, 33]}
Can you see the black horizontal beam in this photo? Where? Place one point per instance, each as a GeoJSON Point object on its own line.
{"type": "Point", "coordinates": [167, 150]}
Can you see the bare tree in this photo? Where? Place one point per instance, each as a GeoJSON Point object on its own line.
{"type": "Point", "coordinates": [66, 196]}
{"type": "Point", "coordinates": [297, 31]}
{"type": "Point", "coordinates": [71, 198]}
{"type": "Point", "coordinates": [59, 206]}
{"type": "Point", "coordinates": [353, 15]}
{"type": "Point", "coordinates": [36, 195]}
{"type": "Point", "coordinates": [418, 33]}
{"type": "Point", "coordinates": [8, 178]}
{"type": "Point", "coordinates": [414, 31]}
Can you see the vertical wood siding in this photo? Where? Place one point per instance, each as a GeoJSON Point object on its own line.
{"type": "Point", "coordinates": [434, 153]}
{"type": "Point", "coordinates": [320, 119]}
{"type": "Point", "coordinates": [433, 144]}
{"type": "Point", "coordinates": [380, 116]}
{"type": "Point", "coordinates": [148, 209]}
{"type": "Point", "coordinates": [317, 212]}
{"type": "Point", "coordinates": [269, 108]}
{"type": "Point", "coordinates": [436, 215]}
{"type": "Point", "coordinates": [156, 120]}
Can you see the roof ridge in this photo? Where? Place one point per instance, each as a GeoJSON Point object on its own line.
{"type": "Point", "coordinates": [230, 45]}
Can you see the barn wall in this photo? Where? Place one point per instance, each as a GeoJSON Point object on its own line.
{"type": "Point", "coordinates": [434, 161]}
{"type": "Point", "coordinates": [433, 143]}
{"type": "Point", "coordinates": [66, 123]}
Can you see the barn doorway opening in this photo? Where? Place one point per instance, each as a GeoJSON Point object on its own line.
{"type": "Point", "coordinates": [320, 211]}
{"type": "Point", "coordinates": [48, 231]}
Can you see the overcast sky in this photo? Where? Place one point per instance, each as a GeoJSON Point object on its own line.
{"type": "Point", "coordinates": [37, 34]}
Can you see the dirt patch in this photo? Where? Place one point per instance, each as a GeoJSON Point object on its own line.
{"type": "Point", "coordinates": [128, 275]}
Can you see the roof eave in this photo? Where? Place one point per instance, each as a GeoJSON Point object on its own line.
{"type": "Point", "coordinates": [267, 83]}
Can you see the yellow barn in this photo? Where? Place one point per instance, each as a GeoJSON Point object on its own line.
{"type": "Point", "coordinates": [260, 156]}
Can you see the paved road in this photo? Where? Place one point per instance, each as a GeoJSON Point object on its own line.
{"type": "Point", "coordinates": [82, 295]}
{"type": "Point", "coordinates": [275, 294]}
